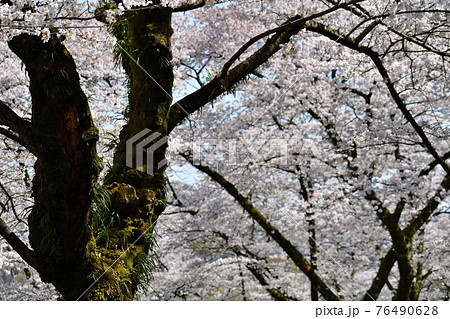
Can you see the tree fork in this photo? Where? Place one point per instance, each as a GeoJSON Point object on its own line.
{"type": "Point", "coordinates": [81, 265]}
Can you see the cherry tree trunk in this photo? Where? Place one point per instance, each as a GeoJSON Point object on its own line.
{"type": "Point", "coordinates": [65, 240]}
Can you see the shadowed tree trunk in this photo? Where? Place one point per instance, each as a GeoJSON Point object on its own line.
{"type": "Point", "coordinates": [63, 137]}
{"type": "Point", "coordinates": [69, 249]}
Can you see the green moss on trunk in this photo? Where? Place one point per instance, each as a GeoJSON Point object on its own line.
{"type": "Point", "coordinates": [97, 242]}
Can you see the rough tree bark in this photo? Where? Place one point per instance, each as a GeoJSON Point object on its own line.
{"type": "Point", "coordinates": [63, 138]}
{"type": "Point", "coordinates": [65, 250]}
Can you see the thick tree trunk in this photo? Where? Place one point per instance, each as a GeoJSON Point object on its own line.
{"type": "Point", "coordinates": [76, 252]}
{"type": "Point", "coordinates": [138, 190]}
{"type": "Point", "coordinates": [67, 166]}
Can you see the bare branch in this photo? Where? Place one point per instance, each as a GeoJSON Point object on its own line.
{"type": "Point", "coordinates": [363, 13]}
{"type": "Point", "coordinates": [296, 21]}
{"type": "Point", "coordinates": [386, 264]}
{"type": "Point", "coordinates": [433, 164]}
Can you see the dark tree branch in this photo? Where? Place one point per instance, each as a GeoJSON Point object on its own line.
{"type": "Point", "coordinates": [175, 196]}
{"type": "Point", "coordinates": [219, 85]}
{"type": "Point", "coordinates": [26, 253]}
{"type": "Point", "coordinates": [19, 129]}
{"type": "Point", "coordinates": [276, 294]}
{"type": "Point", "coordinates": [184, 7]}
{"type": "Point", "coordinates": [257, 271]}
{"type": "Point", "coordinates": [359, 11]}
{"type": "Point", "coordinates": [195, 5]}
{"type": "Point", "coordinates": [304, 193]}
{"type": "Point", "coordinates": [410, 230]}
{"type": "Point", "coordinates": [425, 213]}
{"type": "Point", "coordinates": [374, 56]}
{"type": "Point", "coordinates": [9, 118]}
{"type": "Point", "coordinates": [433, 164]}
{"type": "Point", "coordinates": [97, 16]}
{"type": "Point", "coordinates": [400, 244]}
{"type": "Point", "coordinates": [12, 136]}
{"type": "Point", "coordinates": [386, 264]}
{"type": "Point", "coordinates": [365, 96]}
{"type": "Point", "coordinates": [11, 201]}
{"type": "Point", "coordinates": [228, 78]}
{"type": "Point", "coordinates": [366, 31]}
{"type": "Point", "coordinates": [417, 42]}
{"type": "Point", "coordinates": [296, 21]}
{"type": "Point", "coordinates": [295, 255]}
